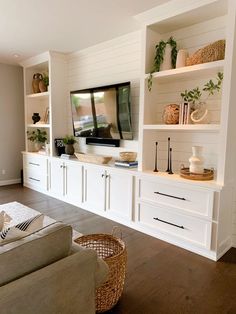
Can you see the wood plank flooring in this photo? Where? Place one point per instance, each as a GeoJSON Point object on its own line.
{"type": "Point", "coordinates": [161, 278]}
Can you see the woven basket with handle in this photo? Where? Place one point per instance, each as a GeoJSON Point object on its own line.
{"type": "Point", "coordinates": [113, 251]}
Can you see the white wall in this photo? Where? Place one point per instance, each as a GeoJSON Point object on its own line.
{"type": "Point", "coordinates": [11, 123]}
{"type": "Point", "coordinates": [111, 62]}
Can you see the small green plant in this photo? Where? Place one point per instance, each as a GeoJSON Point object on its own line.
{"type": "Point", "coordinates": [69, 139]}
{"type": "Point", "coordinates": [45, 79]}
{"type": "Point", "coordinates": [194, 95]}
{"type": "Point", "coordinates": [159, 57]}
{"type": "Point", "coordinates": [211, 87]}
{"type": "Point", "coordinates": [37, 136]}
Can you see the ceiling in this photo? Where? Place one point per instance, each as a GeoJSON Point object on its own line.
{"type": "Point", "coordinates": [30, 27]}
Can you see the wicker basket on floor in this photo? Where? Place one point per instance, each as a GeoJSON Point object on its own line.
{"type": "Point", "coordinates": [113, 251]}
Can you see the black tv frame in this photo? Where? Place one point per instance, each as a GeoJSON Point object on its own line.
{"type": "Point", "coordinates": [98, 141]}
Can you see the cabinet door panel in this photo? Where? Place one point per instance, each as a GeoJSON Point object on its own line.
{"type": "Point", "coordinates": [119, 193]}
{"type": "Point", "coordinates": [73, 184]}
{"type": "Point", "coordinates": [94, 188]}
{"type": "Point", "coordinates": [57, 177]}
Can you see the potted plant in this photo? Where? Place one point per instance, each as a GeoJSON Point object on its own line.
{"type": "Point", "coordinates": [69, 141]}
{"type": "Point", "coordinates": [165, 58]}
{"type": "Point", "coordinates": [38, 137]}
{"type": "Point", "coordinates": [199, 110]}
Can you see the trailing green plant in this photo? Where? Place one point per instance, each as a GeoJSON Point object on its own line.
{"type": "Point", "coordinates": [37, 136]}
{"type": "Point", "coordinates": [69, 139]}
{"type": "Point", "coordinates": [194, 95]}
{"type": "Point", "coordinates": [159, 57]}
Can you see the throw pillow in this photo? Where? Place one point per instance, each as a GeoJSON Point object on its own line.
{"type": "Point", "coordinates": [32, 224]}
{"type": "Point", "coordinates": [11, 234]}
{"type": "Point", "coordinates": [4, 219]}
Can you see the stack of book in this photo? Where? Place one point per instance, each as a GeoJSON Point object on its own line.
{"type": "Point", "coordinates": [185, 110]}
{"type": "Point", "coordinates": [126, 164]}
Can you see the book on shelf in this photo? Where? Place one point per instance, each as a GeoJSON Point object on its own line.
{"type": "Point", "coordinates": [185, 110]}
{"type": "Point", "coordinates": [126, 164]}
{"type": "Point", "coordinates": [66, 156]}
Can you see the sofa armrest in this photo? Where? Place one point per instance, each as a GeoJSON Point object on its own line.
{"type": "Point", "coordinates": [66, 286]}
{"type": "Point", "coordinates": [102, 268]}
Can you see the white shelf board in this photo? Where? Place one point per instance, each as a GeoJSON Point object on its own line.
{"type": "Point", "coordinates": [38, 125]}
{"type": "Point", "coordinates": [183, 127]}
{"type": "Point", "coordinates": [189, 72]}
{"type": "Point", "coordinates": [38, 95]}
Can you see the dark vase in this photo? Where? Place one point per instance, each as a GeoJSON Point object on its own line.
{"type": "Point", "coordinates": [36, 117]}
{"type": "Point", "coordinates": [69, 149]}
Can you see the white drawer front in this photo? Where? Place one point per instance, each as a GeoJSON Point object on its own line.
{"type": "Point", "coordinates": [35, 177]}
{"type": "Point", "coordinates": [188, 228]}
{"type": "Point", "coordinates": [200, 202]}
{"type": "Point", "coordinates": [35, 162]}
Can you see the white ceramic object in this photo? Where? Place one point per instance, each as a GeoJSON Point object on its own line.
{"type": "Point", "coordinates": [181, 58]}
{"type": "Point", "coordinates": [196, 160]}
{"type": "Point", "coordinates": [200, 114]}
{"type": "Point", "coordinates": [166, 64]}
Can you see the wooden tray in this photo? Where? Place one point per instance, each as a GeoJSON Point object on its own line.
{"type": "Point", "coordinates": [207, 175]}
{"type": "Point", "coordinates": [97, 159]}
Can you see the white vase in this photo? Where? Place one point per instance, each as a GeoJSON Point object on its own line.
{"type": "Point", "coordinates": [167, 63]}
{"type": "Point", "coordinates": [181, 58]}
{"type": "Point", "coordinates": [196, 160]}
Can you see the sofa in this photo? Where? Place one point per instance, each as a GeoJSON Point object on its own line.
{"type": "Point", "coordinates": [45, 273]}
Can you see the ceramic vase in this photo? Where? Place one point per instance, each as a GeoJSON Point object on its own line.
{"type": "Point", "coordinates": [36, 117]}
{"type": "Point", "coordinates": [35, 82]}
{"type": "Point", "coordinates": [167, 63]}
{"type": "Point", "coordinates": [42, 87]}
{"type": "Point", "coordinates": [69, 149]}
{"type": "Point", "coordinates": [181, 58]}
{"type": "Point", "coordinates": [196, 160]}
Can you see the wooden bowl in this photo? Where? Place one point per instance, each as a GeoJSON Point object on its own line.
{"type": "Point", "coordinates": [128, 156]}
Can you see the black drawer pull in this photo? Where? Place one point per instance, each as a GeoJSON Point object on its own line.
{"type": "Point", "coordinates": [169, 223]}
{"type": "Point", "coordinates": [178, 198]}
{"type": "Point", "coordinates": [34, 164]}
{"type": "Point", "coordinates": [34, 179]}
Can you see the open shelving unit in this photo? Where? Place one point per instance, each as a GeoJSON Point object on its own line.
{"type": "Point", "coordinates": [167, 86]}
{"type": "Point", "coordinates": [51, 105]}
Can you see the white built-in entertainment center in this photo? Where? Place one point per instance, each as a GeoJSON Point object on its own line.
{"type": "Point", "coordinates": [195, 215]}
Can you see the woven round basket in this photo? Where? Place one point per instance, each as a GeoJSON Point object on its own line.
{"type": "Point", "coordinates": [113, 251]}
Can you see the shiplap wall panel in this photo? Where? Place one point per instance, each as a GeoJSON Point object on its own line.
{"type": "Point", "coordinates": [114, 61]}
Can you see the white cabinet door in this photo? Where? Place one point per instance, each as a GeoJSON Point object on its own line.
{"type": "Point", "coordinates": [119, 193]}
{"type": "Point", "coordinates": [57, 177]}
{"type": "Point", "coordinates": [94, 188]}
{"type": "Point", "coordinates": [73, 182]}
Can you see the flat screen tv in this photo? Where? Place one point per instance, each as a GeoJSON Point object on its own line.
{"type": "Point", "coordinates": [102, 113]}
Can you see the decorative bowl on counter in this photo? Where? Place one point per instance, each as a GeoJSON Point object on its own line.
{"type": "Point", "coordinates": [128, 156]}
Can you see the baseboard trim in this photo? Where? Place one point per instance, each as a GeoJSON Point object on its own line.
{"type": "Point", "coordinates": [9, 182]}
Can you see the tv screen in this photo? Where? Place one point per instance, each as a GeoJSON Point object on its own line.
{"type": "Point", "coordinates": [102, 112]}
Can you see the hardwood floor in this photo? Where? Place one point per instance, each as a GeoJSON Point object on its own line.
{"type": "Point", "coordinates": [161, 278]}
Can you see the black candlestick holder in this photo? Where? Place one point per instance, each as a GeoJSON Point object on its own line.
{"type": "Point", "coordinates": [168, 161]}
{"type": "Point", "coordinates": [170, 170]}
{"type": "Point", "coordinates": [155, 169]}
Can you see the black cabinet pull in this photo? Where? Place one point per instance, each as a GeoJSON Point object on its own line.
{"type": "Point", "coordinates": [103, 175]}
{"type": "Point", "coordinates": [34, 179]}
{"type": "Point", "coordinates": [169, 223]}
{"type": "Point", "coordinates": [178, 198]}
{"type": "Point", "coordinates": [34, 164]}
